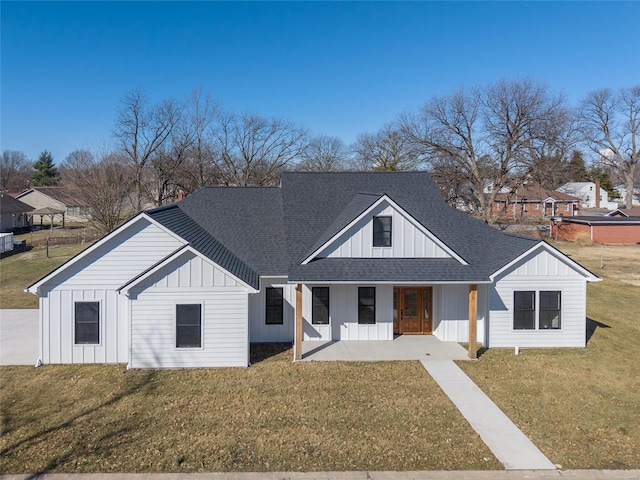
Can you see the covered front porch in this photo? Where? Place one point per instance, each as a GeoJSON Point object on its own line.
{"type": "Point", "coordinates": [402, 347]}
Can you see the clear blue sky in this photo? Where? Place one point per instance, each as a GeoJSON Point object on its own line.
{"type": "Point", "coordinates": [337, 68]}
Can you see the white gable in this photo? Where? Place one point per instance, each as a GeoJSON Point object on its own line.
{"type": "Point", "coordinates": [409, 238]}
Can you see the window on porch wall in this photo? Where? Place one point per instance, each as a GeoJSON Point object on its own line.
{"type": "Point", "coordinates": [366, 305]}
{"type": "Point", "coordinates": [320, 305]}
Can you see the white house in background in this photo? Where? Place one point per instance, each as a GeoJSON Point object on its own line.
{"type": "Point", "coordinates": [322, 257]}
{"type": "Point", "coordinates": [590, 193]}
{"type": "Point", "coordinates": [622, 190]}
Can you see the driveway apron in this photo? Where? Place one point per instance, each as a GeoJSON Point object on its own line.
{"type": "Point", "coordinates": [507, 442]}
{"type": "Point", "coordinates": [18, 336]}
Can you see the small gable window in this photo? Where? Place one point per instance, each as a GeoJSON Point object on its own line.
{"type": "Point", "coordinates": [189, 325]}
{"type": "Point", "coordinates": [320, 306]}
{"type": "Point", "coordinates": [274, 306]}
{"type": "Point", "coordinates": [381, 231]}
{"type": "Point", "coordinates": [87, 323]}
{"type": "Point", "coordinates": [366, 305]}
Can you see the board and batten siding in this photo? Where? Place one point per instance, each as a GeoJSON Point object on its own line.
{"type": "Point", "coordinates": [96, 277]}
{"type": "Point", "coordinates": [344, 299]}
{"type": "Point", "coordinates": [407, 241]}
{"type": "Point", "coordinates": [259, 331]}
{"type": "Point", "coordinates": [539, 271]}
{"type": "Point", "coordinates": [451, 312]}
{"type": "Point", "coordinates": [189, 279]}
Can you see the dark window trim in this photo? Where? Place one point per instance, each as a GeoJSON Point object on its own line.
{"type": "Point", "coordinates": [274, 306]}
{"type": "Point", "coordinates": [76, 321]}
{"type": "Point", "coordinates": [316, 301]}
{"type": "Point", "coordinates": [364, 317]}
{"type": "Point", "coordinates": [188, 325]}
{"type": "Point", "coordinates": [537, 311]}
{"type": "Point", "coordinates": [378, 240]}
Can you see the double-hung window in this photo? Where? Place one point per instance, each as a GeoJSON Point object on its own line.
{"type": "Point", "coordinates": [274, 313]}
{"type": "Point", "coordinates": [320, 305]}
{"type": "Point", "coordinates": [366, 305]}
{"type": "Point", "coordinates": [87, 323]}
{"type": "Point", "coordinates": [189, 325]}
{"type": "Point", "coordinates": [537, 310]}
{"type": "Point", "coordinates": [381, 231]}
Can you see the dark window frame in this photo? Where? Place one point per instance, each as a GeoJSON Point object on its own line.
{"type": "Point", "coordinates": [366, 306]}
{"type": "Point", "coordinates": [546, 315]}
{"type": "Point", "coordinates": [274, 306]}
{"type": "Point", "coordinates": [382, 234]}
{"type": "Point", "coordinates": [320, 305]}
{"type": "Point", "coordinates": [79, 322]}
{"type": "Point", "coordinates": [185, 325]}
{"type": "Point", "coordinates": [535, 313]}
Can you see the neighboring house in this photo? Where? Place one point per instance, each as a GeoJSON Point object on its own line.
{"type": "Point", "coordinates": [625, 212]}
{"type": "Point", "coordinates": [590, 194]}
{"type": "Point", "coordinates": [59, 199]}
{"type": "Point", "coordinates": [533, 200]}
{"type": "Point", "coordinates": [599, 229]}
{"type": "Point", "coordinates": [323, 257]}
{"type": "Point", "coordinates": [622, 190]}
{"type": "Point", "coordinates": [14, 214]}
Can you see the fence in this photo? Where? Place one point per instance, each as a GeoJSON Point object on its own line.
{"type": "Point", "coordinates": [6, 242]}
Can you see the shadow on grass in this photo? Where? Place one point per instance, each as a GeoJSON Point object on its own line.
{"type": "Point", "coordinates": [16, 250]}
{"type": "Point", "coordinates": [81, 449]}
{"type": "Point", "coordinates": [259, 352]}
{"type": "Point", "coordinates": [592, 326]}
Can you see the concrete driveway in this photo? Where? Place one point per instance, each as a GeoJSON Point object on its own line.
{"type": "Point", "coordinates": [18, 337]}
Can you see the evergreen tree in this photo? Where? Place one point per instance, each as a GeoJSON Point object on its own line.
{"type": "Point", "coordinates": [603, 176]}
{"type": "Point", "coordinates": [46, 173]}
{"type": "Point", "coordinates": [577, 171]}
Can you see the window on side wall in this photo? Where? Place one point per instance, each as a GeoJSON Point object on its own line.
{"type": "Point", "coordinates": [274, 308]}
{"type": "Point", "coordinates": [366, 305]}
{"type": "Point", "coordinates": [320, 305]}
{"type": "Point", "coordinates": [537, 310]}
{"type": "Point", "coordinates": [189, 325]}
{"type": "Point", "coordinates": [381, 231]}
{"type": "Point", "coordinates": [87, 323]}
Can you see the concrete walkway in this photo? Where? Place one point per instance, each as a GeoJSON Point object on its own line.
{"type": "Point", "coordinates": [18, 336]}
{"type": "Point", "coordinates": [504, 439]}
{"type": "Point", "coordinates": [429, 475]}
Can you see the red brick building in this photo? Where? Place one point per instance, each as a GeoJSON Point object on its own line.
{"type": "Point", "coordinates": [598, 229]}
{"type": "Point", "coordinates": [535, 201]}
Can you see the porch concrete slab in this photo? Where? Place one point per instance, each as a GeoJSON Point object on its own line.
{"type": "Point", "coordinates": [507, 442]}
{"type": "Point", "coordinates": [18, 336]}
{"type": "Point", "coordinates": [403, 347]}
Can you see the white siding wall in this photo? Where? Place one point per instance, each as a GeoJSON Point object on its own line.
{"type": "Point", "coordinates": [344, 306]}
{"type": "Point", "coordinates": [189, 279]}
{"type": "Point", "coordinates": [539, 271]}
{"type": "Point", "coordinates": [451, 313]}
{"type": "Point", "coordinates": [407, 240]}
{"type": "Point", "coordinates": [259, 331]}
{"type": "Point", "coordinates": [96, 278]}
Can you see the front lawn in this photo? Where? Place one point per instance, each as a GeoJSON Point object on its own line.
{"type": "Point", "coordinates": [581, 407]}
{"type": "Point", "coordinates": [276, 415]}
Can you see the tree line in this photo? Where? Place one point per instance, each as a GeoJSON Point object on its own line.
{"type": "Point", "coordinates": [474, 141]}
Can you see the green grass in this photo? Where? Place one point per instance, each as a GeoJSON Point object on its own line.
{"type": "Point", "coordinates": [581, 407]}
{"type": "Point", "coordinates": [276, 415]}
{"type": "Point", "coordinates": [20, 270]}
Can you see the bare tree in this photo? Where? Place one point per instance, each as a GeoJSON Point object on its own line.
{"type": "Point", "coordinates": [15, 171]}
{"type": "Point", "coordinates": [610, 124]}
{"type": "Point", "coordinates": [103, 184]}
{"type": "Point", "coordinates": [491, 135]}
{"type": "Point", "coordinates": [387, 150]}
{"type": "Point", "coordinates": [324, 154]}
{"type": "Point", "coordinates": [141, 130]}
{"type": "Point", "coordinates": [201, 167]}
{"type": "Point", "coordinates": [255, 149]}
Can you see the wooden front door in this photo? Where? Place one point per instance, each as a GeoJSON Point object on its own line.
{"type": "Point", "coordinates": [412, 310]}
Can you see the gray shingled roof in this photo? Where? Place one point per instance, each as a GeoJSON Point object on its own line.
{"type": "Point", "coordinates": [257, 231]}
